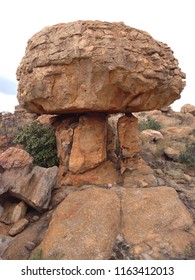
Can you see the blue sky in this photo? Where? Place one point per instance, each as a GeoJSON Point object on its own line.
{"type": "Point", "coordinates": [169, 21]}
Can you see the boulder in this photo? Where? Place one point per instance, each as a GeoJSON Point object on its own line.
{"type": "Point", "coordinates": [98, 66]}
{"type": "Point", "coordinates": [35, 189]}
{"type": "Point", "coordinates": [15, 158]}
{"type": "Point", "coordinates": [172, 153]}
{"type": "Point", "coordinates": [18, 226]}
{"type": "Point", "coordinates": [84, 226]}
{"type": "Point", "coordinates": [188, 108]}
{"type": "Point", "coordinates": [21, 180]}
{"type": "Point", "coordinates": [150, 135]}
{"type": "Point", "coordinates": [19, 212]}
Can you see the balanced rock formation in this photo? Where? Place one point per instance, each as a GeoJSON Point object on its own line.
{"type": "Point", "coordinates": [97, 66]}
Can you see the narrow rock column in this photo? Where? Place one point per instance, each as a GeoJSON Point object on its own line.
{"type": "Point", "coordinates": [129, 142]}
{"type": "Point", "coordinates": [89, 143]}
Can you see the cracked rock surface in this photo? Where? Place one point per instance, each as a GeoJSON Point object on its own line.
{"type": "Point", "coordinates": [97, 66]}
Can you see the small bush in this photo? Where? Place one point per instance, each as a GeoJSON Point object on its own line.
{"type": "Point", "coordinates": [40, 142]}
{"type": "Point", "coordinates": [188, 156]}
{"type": "Point", "coordinates": [149, 124]}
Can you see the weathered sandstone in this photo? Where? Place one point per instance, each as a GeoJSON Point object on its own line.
{"type": "Point", "coordinates": [84, 226]}
{"type": "Point", "coordinates": [97, 66]}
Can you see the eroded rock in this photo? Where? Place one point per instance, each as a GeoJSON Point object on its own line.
{"type": "Point", "coordinates": [35, 189]}
{"type": "Point", "coordinates": [97, 66]}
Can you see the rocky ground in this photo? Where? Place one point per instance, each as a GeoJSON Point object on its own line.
{"type": "Point", "coordinates": [149, 216]}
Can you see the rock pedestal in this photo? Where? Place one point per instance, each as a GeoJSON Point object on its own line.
{"type": "Point", "coordinates": [94, 149]}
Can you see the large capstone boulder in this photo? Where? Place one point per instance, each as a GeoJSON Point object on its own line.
{"type": "Point", "coordinates": [97, 66]}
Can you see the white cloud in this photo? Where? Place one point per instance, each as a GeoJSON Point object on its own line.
{"type": "Point", "coordinates": [7, 102]}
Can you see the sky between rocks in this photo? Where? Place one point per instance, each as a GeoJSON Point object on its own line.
{"type": "Point", "coordinates": [168, 21]}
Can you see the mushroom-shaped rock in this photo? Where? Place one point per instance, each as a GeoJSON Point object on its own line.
{"type": "Point", "coordinates": [88, 66]}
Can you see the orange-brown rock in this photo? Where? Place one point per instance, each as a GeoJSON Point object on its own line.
{"type": "Point", "coordinates": [129, 142]}
{"type": "Point", "coordinates": [97, 66]}
{"type": "Point", "coordinates": [89, 143]}
{"type": "Point", "coordinates": [151, 212]}
{"type": "Point", "coordinates": [84, 226]}
{"type": "Point", "coordinates": [104, 174]}
{"type": "Point", "coordinates": [15, 158]}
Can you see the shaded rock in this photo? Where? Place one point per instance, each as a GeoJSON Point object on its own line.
{"type": "Point", "coordinates": [35, 189]}
{"type": "Point", "coordinates": [5, 241]}
{"type": "Point", "coordinates": [18, 227]}
{"type": "Point", "coordinates": [64, 139]}
{"type": "Point", "coordinates": [171, 153]}
{"type": "Point", "coordinates": [150, 135]}
{"type": "Point", "coordinates": [89, 143]}
{"type": "Point", "coordinates": [84, 226]}
{"type": "Point", "coordinates": [27, 240]}
{"type": "Point", "coordinates": [7, 215]}
{"type": "Point", "coordinates": [1, 210]}
{"type": "Point", "coordinates": [47, 119]}
{"type": "Point", "coordinates": [150, 212]}
{"type": "Point", "coordinates": [19, 212]}
{"type": "Point", "coordinates": [15, 158]}
{"type": "Point", "coordinates": [97, 66]}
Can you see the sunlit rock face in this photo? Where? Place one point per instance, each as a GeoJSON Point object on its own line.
{"type": "Point", "coordinates": [88, 66]}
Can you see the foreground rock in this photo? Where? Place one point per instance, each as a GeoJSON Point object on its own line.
{"type": "Point", "coordinates": [83, 227]}
{"type": "Point", "coordinates": [155, 212]}
{"type": "Point", "coordinates": [152, 222]}
{"type": "Point", "coordinates": [97, 66]}
{"type": "Point", "coordinates": [21, 180]}
{"type": "Point", "coordinates": [22, 244]}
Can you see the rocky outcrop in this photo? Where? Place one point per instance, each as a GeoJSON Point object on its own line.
{"type": "Point", "coordinates": [97, 66]}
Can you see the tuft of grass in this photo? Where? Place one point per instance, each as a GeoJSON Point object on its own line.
{"type": "Point", "coordinates": [149, 124]}
{"type": "Point", "coordinates": [37, 255]}
{"type": "Point", "coordinates": [188, 156]}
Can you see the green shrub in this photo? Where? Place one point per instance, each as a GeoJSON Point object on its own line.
{"type": "Point", "coordinates": [149, 124]}
{"type": "Point", "coordinates": [40, 142]}
{"type": "Point", "coordinates": [188, 156]}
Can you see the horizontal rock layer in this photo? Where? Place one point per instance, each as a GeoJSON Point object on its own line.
{"type": "Point", "coordinates": [97, 66]}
